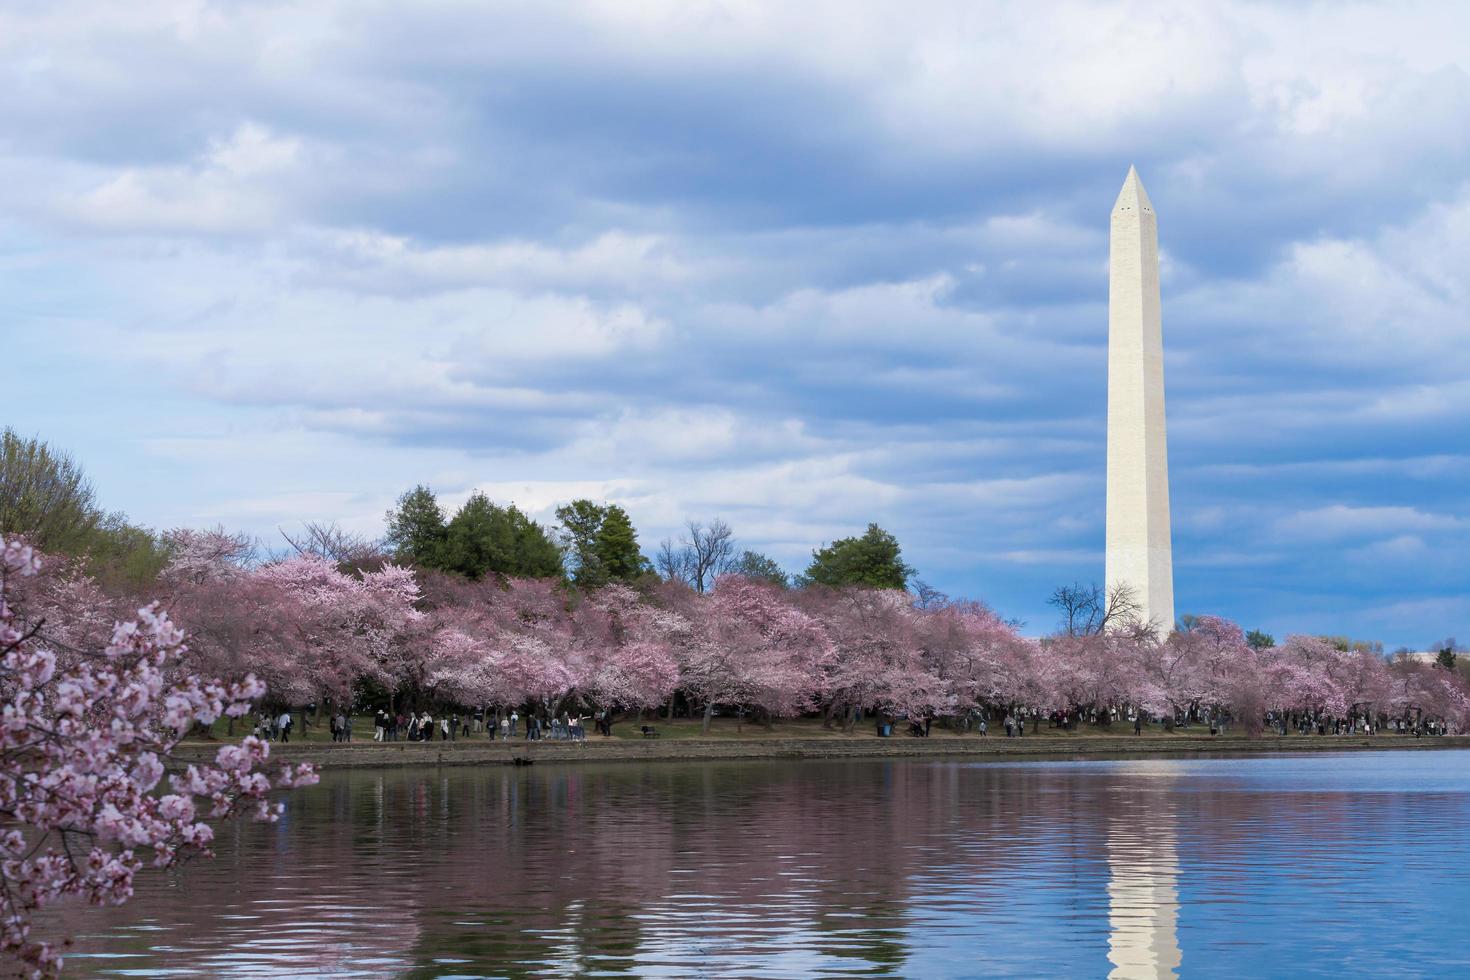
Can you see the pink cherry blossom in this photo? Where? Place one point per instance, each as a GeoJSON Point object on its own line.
{"type": "Point", "coordinates": [83, 745]}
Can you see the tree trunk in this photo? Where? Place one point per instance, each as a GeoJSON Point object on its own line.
{"type": "Point", "coordinates": [670, 715]}
{"type": "Point", "coordinates": [709, 712]}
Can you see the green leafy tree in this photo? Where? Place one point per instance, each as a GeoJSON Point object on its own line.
{"type": "Point", "coordinates": [1259, 640]}
{"type": "Point", "coordinates": [580, 521]}
{"type": "Point", "coordinates": [484, 538]}
{"type": "Point", "coordinates": [873, 560]}
{"type": "Point", "coordinates": [601, 543]}
{"type": "Point", "coordinates": [45, 496]}
{"type": "Point", "coordinates": [1347, 644]}
{"type": "Point", "coordinates": [754, 565]}
{"type": "Point", "coordinates": [417, 531]}
{"type": "Point", "coordinates": [125, 556]}
{"type": "Point", "coordinates": [617, 546]}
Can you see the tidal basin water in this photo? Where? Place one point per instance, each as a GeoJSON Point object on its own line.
{"type": "Point", "coordinates": [1343, 864]}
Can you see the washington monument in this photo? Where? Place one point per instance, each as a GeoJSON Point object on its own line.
{"type": "Point", "coordinates": [1139, 550]}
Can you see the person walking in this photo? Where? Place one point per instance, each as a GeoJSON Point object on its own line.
{"type": "Point", "coordinates": [380, 725]}
{"type": "Point", "coordinates": [983, 726]}
{"type": "Point", "coordinates": [1138, 722]}
{"type": "Point", "coordinates": [347, 727]}
{"type": "Point", "coordinates": [285, 725]}
{"type": "Point", "coordinates": [505, 729]}
{"type": "Point", "coordinates": [444, 728]}
{"type": "Point", "coordinates": [1010, 726]}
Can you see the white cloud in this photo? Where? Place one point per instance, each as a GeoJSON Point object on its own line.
{"type": "Point", "coordinates": [799, 265]}
{"type": "Point", "coordinates": [1342, 521]}
{"type": "Point", "coordinates": [231, 188]}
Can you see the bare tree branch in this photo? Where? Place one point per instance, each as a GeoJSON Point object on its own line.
{"type": "Point", "coordinates": [702, 554]}
{"type": "Point", "coordinates": [330, 541]}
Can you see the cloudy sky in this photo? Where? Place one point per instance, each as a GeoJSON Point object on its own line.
{"type": "Point", "coordinates": [802, 266]}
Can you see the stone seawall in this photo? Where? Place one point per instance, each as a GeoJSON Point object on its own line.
{"type": "Point", "coordinates": [481, 753]}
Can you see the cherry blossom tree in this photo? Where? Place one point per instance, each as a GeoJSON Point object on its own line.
{"type": "Point", "coordinates": [753, 648]}
{"type": "Point", "coordinates": [967, 645]}
{"type": "Point", "coordinates": [879, 655]}
{"type": "Point", "coordinates": [84, 738]}
{"type": "Point", "coordinates": [356, 626]}
{"type": "Point", "coordinates": [630, 649]}
{"type": "Point", "coordinates": [213, 555]}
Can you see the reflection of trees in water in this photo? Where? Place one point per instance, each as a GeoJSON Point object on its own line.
{"type": "Point", "coordinates": [627, 867]}
{"type": "Point", "coordinates": [617, 868]}
{"type": "Point", "coordinates": [867, 868]}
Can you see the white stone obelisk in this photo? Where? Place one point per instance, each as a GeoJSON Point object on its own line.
{"type": "Point", "coordinates": [1139, 550]}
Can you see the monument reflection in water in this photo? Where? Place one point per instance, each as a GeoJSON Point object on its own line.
{"type": "Point", "coordinates": [1215, 868]}
{"type": "Point", "coordinates": [1143, 903]}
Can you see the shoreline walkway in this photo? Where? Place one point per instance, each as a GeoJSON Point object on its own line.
{"type": "Point", "coordinates": [481, 752]}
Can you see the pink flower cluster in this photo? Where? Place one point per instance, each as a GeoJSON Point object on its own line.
{"type": "Point", "coordinates": [85, 737]}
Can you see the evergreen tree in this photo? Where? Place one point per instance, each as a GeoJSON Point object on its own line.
{"type": "Point", "coordinates": [873, 560]}
{"type": "Point", "coordinates": [484, 539]}
{"type": "Point", "coordinates": [601, 543]}
{"type": "Point", "coordinates": [617, 546]}
{"type": "Point", "coordinates": [1259, 640]}
{"type": "Point", "coordinates": [581, 520]}
{"type": "Point", "coordinates": [417, 530]}
{"type": "Point", "coordinates": [536, 552]}
{"type": "Point", "coordinates": [754, 565]}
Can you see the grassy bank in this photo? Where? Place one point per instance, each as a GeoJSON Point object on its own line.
{"type": "Point", "coordinates": [728, 738]}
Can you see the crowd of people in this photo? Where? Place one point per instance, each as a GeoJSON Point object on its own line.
{"type": "Point", "coordinates": [393, 726]}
